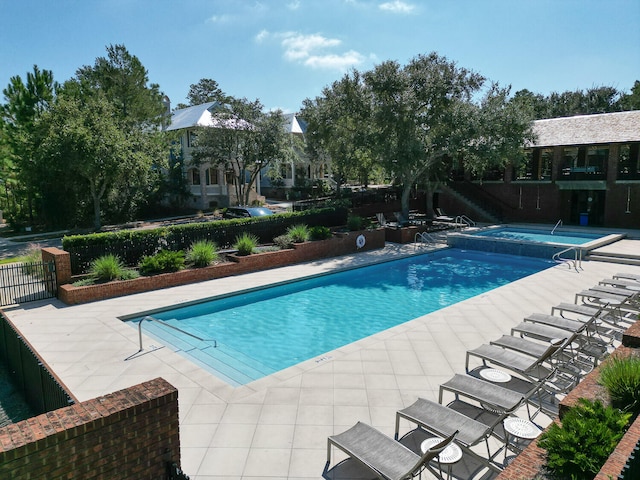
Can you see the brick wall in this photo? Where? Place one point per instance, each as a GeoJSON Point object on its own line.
{"type": "Point", "coordinates": [129, 434]}
{"type": "Point", "coordinates": [341, 244]}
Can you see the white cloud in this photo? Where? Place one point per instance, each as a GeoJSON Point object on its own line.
{"type": "Point", "coordinates": [262, 36]}
{"type": "Point", "coordinates": [295, 5]}
{"type": "Point", "coordinates": [314, 50]}
{"type": "Point", "coordinates": [220, 19]}
{"type": "Point", "coordinates": [298, 46]}
{"type": "Point", "coordinates": [397, 6]}
{"type": "Point", "coordinates": [335, 62]}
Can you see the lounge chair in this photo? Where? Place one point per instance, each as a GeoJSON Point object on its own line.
{"type": "Point", "coordinates": [628, 276]}
{"type": "Point", "coordinates": [531, 368]}
{"type": "Point", "coordinates": [440, 216]}
{"type": "Point", "coordinates": [583, 347]}
{"type": "Point", "coordinates": [619, 282]}
{"type": "Point", "coordinates": [495, 397]}
{"type": "Point", "coordinates": [387, 458]}
{"type": "Point", "coordinates": [535, 393]}
{"type": "Point", "coordinates": [443, 421]}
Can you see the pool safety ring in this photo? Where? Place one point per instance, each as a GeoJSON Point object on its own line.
{"type": "Point", "coordinates": [360, 241]}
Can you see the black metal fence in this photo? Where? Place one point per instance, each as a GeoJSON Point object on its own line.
{"type": "Point", "coordinates": [26, 282]}
{"type": "Point", "coordinates": [42, 391]}
{"type": "Point", "coordinates": [631, 469]}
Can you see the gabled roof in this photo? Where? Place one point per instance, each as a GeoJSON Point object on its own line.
{"type": "Point", "coordinates": [294, 124]}
{"type": "Point", "coordinates": [588, 129]}
{"type": "Point", "coordinates": [203, 115]}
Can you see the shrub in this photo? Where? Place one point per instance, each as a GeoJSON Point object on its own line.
{"type": "Point", "coordinates": [320, 232]}
{"type": "Point", "coordinates": [354, 222]}
{"type": "Point", "coordinates": [106, 268]}
{"type": "Point", "coordinates": [621, 377]}
{"type": "Point", "coordinates": [283, 241]}
{"type": "Point", "coordinates": [299, 233]}
{"type": "Point", "coordinates": [163, 261]}
{"type": "Point", "coordinates": [245, 243]}
{"type": "Point", "coordinates": [202, 253]}
{"type": "Point", "coordinates": [589, 434]}
{"type": "Point", "coordinates": [31, 256]}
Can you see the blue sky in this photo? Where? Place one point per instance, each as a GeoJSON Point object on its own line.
{"type": "Point", "coordinates": [283, 51]}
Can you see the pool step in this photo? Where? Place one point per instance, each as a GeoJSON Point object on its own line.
{"type": "Point", "coordinates": [614, 258]}
{"type": "Point", "coordinates": [230, 365]}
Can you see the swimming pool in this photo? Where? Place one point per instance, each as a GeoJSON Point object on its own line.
{"type": "Point", "coordinates": [541, 236]}
{"type": "Point", "coordinates": [531, 241]}
{"type": "Point", "coordinates": [253, 334]}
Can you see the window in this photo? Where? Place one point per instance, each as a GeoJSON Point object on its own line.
{"type": "Point", "coordinates": [597, 158]}
{"type": "Point", "coordinates": [585, 163]}
{"type": "Point", "coordinates": [629, 162]}
{"type": "Point", "coordinates": [194, 176]}
{"type": "Point", "coordinates": [212, 174]}
{"type": "Point", "coordinates": [191, 138]}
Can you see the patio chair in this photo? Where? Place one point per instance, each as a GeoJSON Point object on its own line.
{"type": "Point", "coordinates": [442, 421]}
{"type": "Point", "coordinates": [387, 458]}
{"type": "Point", "coordinates": [531, 368]}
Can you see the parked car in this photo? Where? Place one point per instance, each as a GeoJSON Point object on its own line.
{"type": "Point", "coordinates": [244, 212]}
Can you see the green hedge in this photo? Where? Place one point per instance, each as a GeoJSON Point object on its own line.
{"type": "Point", "coordinates": [132, 245]}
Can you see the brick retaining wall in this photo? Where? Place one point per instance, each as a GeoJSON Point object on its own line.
{"type": "Point", "coordinates": [129, 434]}
{"type": "Point", "coordinates": [340, 244]}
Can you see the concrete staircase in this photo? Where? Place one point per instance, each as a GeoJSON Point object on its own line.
{"type": "Point", "coordinates": [625, 252]}
{"type": "Point", "coordinates": [480, 213]}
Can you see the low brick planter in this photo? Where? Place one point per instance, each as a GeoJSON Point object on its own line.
{"type": "Point", "coordinates": [340, 244]}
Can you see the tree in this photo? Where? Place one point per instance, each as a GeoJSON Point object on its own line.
{"type": "Point", "coordinates": [414, 121]}
{"type": "Point", "coordinates": [631, 101]}
{"type": "Point", "coordinates": [139, 112]}
{"type": "Point", "coordinates": [206, 90]}
{"type": "Point", "coordinates": [82, 140]}
{"type": "Point", "coordinates": [24, 104]}
{"type": "Point", "coordinates": [420, 116]}
{"type": "Point", "coordinates": [245, 141]}
{"type": "Point", "coordinates": [338, 126]}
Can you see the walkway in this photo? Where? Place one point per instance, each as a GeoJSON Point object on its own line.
{"type": "Point", "coordinates": [276, 428]}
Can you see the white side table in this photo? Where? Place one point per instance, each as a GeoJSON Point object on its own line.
{"type": "Point", "coordinates": [495, 375]}
{"type": "Point", "coordinates": [448, 456]}
{"type": "Point", "coordinates": [521, 430]}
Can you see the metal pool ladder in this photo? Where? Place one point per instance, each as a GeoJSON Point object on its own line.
{"type": "Point", "coordinates": [559, 223]}
{"type": "Point", "coordinates": [577, 257]}
{"type": "Point", "coordinates": [151, 319]}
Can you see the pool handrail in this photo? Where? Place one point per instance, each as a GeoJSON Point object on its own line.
{"type": "Point", "coordinates": [423, 237]}
{"type": "Point", "coordinates": [558, 223]}
{"type": "Point", "coordinates": [464, 221]}
{"type": "Point", "coordinates": [577, 257]}
{"type": "Point", "coordinates": [160, 322]}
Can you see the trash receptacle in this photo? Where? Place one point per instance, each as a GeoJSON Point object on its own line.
{"type": "Point", "coordinates": [584, 218]}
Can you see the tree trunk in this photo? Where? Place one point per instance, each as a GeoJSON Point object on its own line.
{"type": "Point", "coordinates": [96, 207]}
{"type": "Point", "coordinates": [404, 201]}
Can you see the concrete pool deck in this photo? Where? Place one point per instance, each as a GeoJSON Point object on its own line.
{"type": "Point", "coordinates": [277, 427]}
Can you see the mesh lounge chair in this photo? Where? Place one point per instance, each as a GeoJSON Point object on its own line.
{"type": "Point", "coordinates": [628, 276]}
{"type": "Point", "coordinates": [536, 394]}
{"type": "Point", "coordinates": [442, 420]}
{"type": "Point", "coordinates": [387, 458]}
{"type": "Point", "coordinates": [531, 368]}
{"type": "Point", "coordinates": [495, 397]}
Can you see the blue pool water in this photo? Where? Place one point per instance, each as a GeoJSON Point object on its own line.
{"type": "Point", "coordinates": [263, 331]}
{"type": "Point", "coordinates": [540, 236]}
